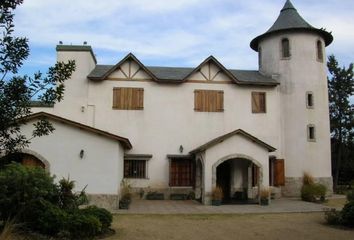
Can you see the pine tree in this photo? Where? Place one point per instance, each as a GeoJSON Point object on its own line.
{"type": "Point", "coordinates": [341, 88]}
{"type": "Point", "coordinates": [17, 92]}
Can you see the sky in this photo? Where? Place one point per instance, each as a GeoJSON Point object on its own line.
{"type": "Point", "coordinates": [171, 32]}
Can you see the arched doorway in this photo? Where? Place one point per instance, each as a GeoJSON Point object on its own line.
{"type": "Point", "coordinates": [27, 158]}
{"type": "Point", "coordinates": [239, 177]}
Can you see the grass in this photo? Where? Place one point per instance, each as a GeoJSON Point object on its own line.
{"type": "Point", "coordinates": [226, 226]}
{"type": "Point", "coordinates": [336, 203]}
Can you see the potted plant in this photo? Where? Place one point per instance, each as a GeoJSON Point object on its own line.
{"type": "Point", "coordinates": [264, 196]}
{"type": "Point", "coordinates": [216, 196]}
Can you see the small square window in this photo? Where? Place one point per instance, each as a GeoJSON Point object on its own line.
{"type": "Point", "coordinates": [311, 133]}
{"type": "Point", "coordinates": [135, 169]}
{"type": "Point", "coordinates": [309, 100]}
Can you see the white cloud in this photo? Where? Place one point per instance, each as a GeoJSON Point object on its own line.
{"type": "Point", "coordinates": [180, 31]}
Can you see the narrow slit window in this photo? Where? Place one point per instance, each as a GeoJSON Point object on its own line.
{"type": "Point", "coordinates": [309, 100]}
{"type": "Point", "coordinates": [260, 57]}
{"type": "Point", "coordinates": [319, 51]}
{"type": "Point", "coordinates": [311, 133]}
{"type": "Point", "coordinates": [285, 46]}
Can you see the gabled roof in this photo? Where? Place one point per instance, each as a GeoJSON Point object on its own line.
{"type": "Point", "coordinates": [217, 63]}
{"type": "Point", "coordinates": [96, 76]}
{"type": "Point", "coordinates": [180, 74]}
{"type": "Point", "coordinates": [290, 20]}
{"type": "Point", "coordinates": [228, 135]}
{"type": "Point", "coordinates": [124, 141]}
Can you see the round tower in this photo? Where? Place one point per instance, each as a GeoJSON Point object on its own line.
{"type": "Point", "coordinates": [293, 51]}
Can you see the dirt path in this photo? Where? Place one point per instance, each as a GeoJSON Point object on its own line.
{"type": "Point", "coordinates": [219, 227]}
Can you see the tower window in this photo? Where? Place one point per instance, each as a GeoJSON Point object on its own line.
{"type": "Point", "coordinates": [260, 57]}
{"type": "Point", "coordinates": [309, 100]}
{"type": "Point", "coordinates": [285, 48]}
{"type": "Point", "coordinates": [311, 133]}
{"type": "Point", "coordinates": [319, 51]}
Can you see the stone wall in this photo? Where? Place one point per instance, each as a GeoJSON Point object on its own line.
{"type": "Point", "coordinates": [293, 186]}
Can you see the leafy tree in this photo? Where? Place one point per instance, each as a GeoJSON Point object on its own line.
{"type": "Point", "coordinates": [341, 88]}
{"type": "Point", "coordinates": [16, 92]}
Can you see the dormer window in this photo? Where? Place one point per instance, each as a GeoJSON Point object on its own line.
{"type": "Point", "coordinates": [319, 51]}
{"type": "Point", "coordinates": [285, 48]}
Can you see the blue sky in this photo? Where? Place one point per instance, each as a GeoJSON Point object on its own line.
{"type": "Point", "coordinates": [171, 32]}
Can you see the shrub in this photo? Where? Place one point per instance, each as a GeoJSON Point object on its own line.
{"type": "Point", "coordinates": [82, 226]}
{"type": "Point", "coordinates": [264, 193]}
{"type": "Point", "coordinates": [348, 214]}
{"type": "Point", "coordinates": [19, 185]}
{"type": "Point", "coordinates": [104, 216]}
{"type": "Point", "coordinates": [313, 192]}
{"type": "Point", "coordinates": [333, 217]}
{"type": "Point", "coordinates": [350, 195]}
{"type": "Point", "coordinates": [44, 217]}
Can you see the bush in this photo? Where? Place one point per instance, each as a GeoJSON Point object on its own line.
{"type": "Point", "coordinates": [217, 193]}
{"type": "Point", "coordinates": [333, 217]}
{"type": "Point", "coordinates": [307, 179]}
{"type": "Point", "coordinates": [82, 226]}
{"type": "Point", "coordinates": [104, 216]}
{"type": "Point", "coordinates": [348, 214]}
{"type": "Point", "coordinates": [313, 192]}
{"type": "Point", "coordinates": [44, 217]}
{"type": "Point", "coordinates": [19, 185]}
{"type": "Point", "coordinates": [31, 198]}
{"type": "Point", "coordinates": [350, 195]}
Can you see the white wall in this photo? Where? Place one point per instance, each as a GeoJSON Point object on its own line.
{"type": "Point", "coordinates": [168, 119]}
{"type": "Point", "coordinates": [299, 74]}
{"type": "Point", "coordinates": [101, 168]}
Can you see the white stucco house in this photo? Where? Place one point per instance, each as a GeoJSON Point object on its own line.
{"type": "Point", "coordinates": [191, 129]}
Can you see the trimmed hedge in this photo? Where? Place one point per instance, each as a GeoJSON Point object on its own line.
{"type": "Point", "coordinates": [348, 214]}
{"type": "Point", "coordinates": [104, 216]}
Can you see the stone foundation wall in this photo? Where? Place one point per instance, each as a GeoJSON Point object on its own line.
{"type": "Point", "coordinates": [293, 186]}
{"type": "Point", "coordinates": [166, 191]}
{"type": "Point", "coordinates": [107, 201]}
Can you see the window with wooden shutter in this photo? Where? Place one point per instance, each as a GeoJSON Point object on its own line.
{"type": "Point", "coordinates": [279, 172]}
{"type": "Point", "coordinates": [208, 101]}
{"type": "Point", "coordinates": [128, 98]}
{"type": "Point", "coordinates": [181, 172]}
{"type": "Point", "coordinates": [258, 102]}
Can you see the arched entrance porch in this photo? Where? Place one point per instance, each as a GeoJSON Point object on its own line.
{"type": "Point", "coordinates": [240, 178]}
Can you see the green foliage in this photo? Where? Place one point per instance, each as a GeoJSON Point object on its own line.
{"type": "Point", "coordinates": [313, 192]}
{"type": "Point", "coordinates": [83, 226]}
{"type": "Point", "coordinates": [30, 197]}
{"type": "Point", "coordinates": [333, 217]}
{"type": "Point", "coordinates": [350, 195]}
{"type": "Point", "coordinates": [20, 185]}
{"type": "Point", "coordinates": [341, 109]}
{"type": "Point", "coordinates": [16, 92]}
{"type": "Point", "coordinates": [348, 214]}
{"type": "Point", "coordinates": [104, 216]}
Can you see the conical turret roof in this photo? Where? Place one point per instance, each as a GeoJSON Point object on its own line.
{"type": "Point", "coordinates": [290, 20]}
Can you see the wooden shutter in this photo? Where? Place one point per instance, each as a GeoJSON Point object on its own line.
{"type": "Point", "coordinates": [128, 98]}
{"type": "Point", "coordinates": [279, 172]}
{"type": "Point", "coordinates": [208, 101]}
{"type": "Point", "coordinates": [258, 102]}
